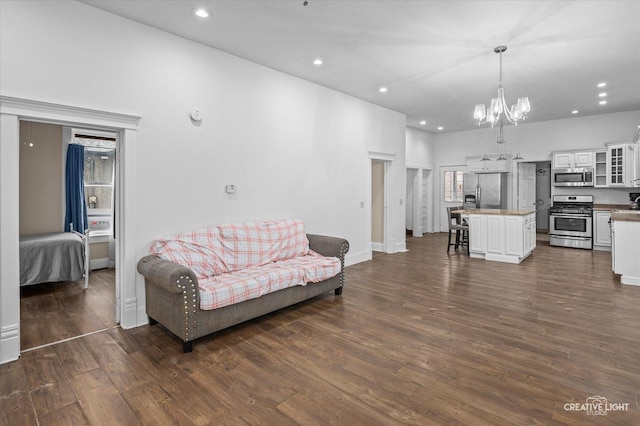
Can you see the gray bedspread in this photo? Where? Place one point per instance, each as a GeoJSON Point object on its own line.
{"type": "Point", "coordinates": [57, 256]}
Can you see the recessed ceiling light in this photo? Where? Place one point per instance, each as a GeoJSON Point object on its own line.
{"type": "Point", "coordinates": [575, 111]}
{"type": "Point", "coordinates": [383, 90]}
{"type": "Point", "coordinates": [602, 102]}
{"type": "Point", "coordinates": [201, 13]}
{"type": "Point", "coordinates": [440, 128]}
{"type": "Point", "coordinates": [602, 95]}
{"type": "Point", "coordinates": [603, 84]}
{"type": "Point", "coordinates": [317, 62]}
{"type": "Point", "coordinates": [423, 122]}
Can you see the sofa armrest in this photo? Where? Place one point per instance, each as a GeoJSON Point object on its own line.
{"type": "Point", "coordinates": [329, 246]}
{"type": "Point", "coordinates": [164, 273]}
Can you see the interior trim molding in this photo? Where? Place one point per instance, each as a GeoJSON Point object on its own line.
{"type": "Point", "coordinates": [29, 109]}
{"type": "Point", "coordinates": [9, 343]}
{"type": "Point", "coordinates": [128, 287]}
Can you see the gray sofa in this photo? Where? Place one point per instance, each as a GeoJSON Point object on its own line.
{"type": "Point", "coordinates": [173, 298]}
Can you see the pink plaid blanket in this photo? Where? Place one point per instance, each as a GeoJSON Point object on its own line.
{"type": "Point", "coordinates": [242, 261]}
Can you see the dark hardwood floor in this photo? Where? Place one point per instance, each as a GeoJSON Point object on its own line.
{"type": "Point", "coordinates": [52, 312]}
{"type": "Point", "coordinates": [420, 337]}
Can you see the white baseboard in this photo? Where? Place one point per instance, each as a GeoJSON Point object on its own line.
{"type": "Point", "coordinates": [131, 315]}
{"type": "Point", "coordinates": [353, 258]}
{"type": "Point", "coordinates": [99, 263]}
{"type": "Point", "coordinates": [377, 247]}
{"type": "Point", "coordinates": [9, 343]}
{"type": "Point", "coordinates": [400, 247]}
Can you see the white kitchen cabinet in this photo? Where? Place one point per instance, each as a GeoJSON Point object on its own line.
{"type": "Point", "coordinates": [626, 258]}
{"type": "Point", "coordinates": [505, 237]}
{"type": "Point", "coordinates": [488, 166]}
{"type": "Point", "coordinates": [573, 159]}
{"type": "Point", "coordinates": [600, 169]}
{"type": "Point", "coordinates": [529, 234]}
{"type": "Point", "coordinates": [495, 234]}
{"type": "Point", "coordinates": [478, 243]}
{"type": "Point", "coordinates": [601, 230]}
{"type": "Point", "coordinates": [622, 165]}
{"type": "Point", "coordinates": [515, 235]}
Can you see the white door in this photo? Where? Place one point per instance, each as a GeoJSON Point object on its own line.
{"type": "Point", "coordinates": [526, 186]}
{"type": "Point", "coordinates": [451, 191]}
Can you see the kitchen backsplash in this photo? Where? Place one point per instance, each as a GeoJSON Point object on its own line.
{"type": "Point", "coordinates": [600, 195]}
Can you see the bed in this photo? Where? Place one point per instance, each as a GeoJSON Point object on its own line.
{"type": "Point", "coordinates": [54, 256]}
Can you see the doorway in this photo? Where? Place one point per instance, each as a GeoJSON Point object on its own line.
{"type": "Point", "coordinates": [129, 290]}
{"type": "Point", "coordinates": [417, 204]}
{"type": "Point", "coordinates": [378, 205]}
{"type": "Point", "coordinates": [534, 191]}
{"type": "Point", "coordinates": [55, 311]}
{"type": "Point", "coordinates": [543, 196]}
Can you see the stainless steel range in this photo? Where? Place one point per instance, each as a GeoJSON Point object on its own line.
{"type": "Point", "coordinates": [571, 221]}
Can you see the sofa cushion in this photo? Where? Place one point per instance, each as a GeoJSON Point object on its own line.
{"type": "Point", "coordinates": [238, 286]}
{"type": "Point", "coordinates": [201, 250]}
{"type": "Point", "coordinates": [314, 266]}
{"type": "Point", "coordinates": [245, 284]}
{"type": "Point", "coordinates": [250, 244]}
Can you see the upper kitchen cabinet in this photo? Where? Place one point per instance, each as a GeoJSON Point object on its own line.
{"type": "Point", "coordinates": [488, 166]}
{"type": "Point", "coordinates": [600, 169]}
{"type": "Point", "coordinates": [573, 159]}
{"type": "Point", "coordinates": [623, 168]}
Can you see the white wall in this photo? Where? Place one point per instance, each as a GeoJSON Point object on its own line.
{"type": "Point", "coordinates": [292, 148]}
{"type": "Point", "coordinates": [420, 148]}
{"type": "Point", "coordinates": [536, 141]}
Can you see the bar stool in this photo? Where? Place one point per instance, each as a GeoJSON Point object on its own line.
{"type": "Point", "coordinates": [461, 227]}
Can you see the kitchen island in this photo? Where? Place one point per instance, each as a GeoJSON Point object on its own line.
{"type": "Point", "coordinates": [500, 235]}
{"type": "Point", "coordinates": [625, 253]}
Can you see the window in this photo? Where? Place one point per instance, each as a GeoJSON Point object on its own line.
{"type": "Point", "coordinates": [99, 178]}
{"type": "Point", "coordinates": [453, 186]}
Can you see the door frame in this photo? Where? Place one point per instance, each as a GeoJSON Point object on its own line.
{"type": "Point", "coordinates": [12, 111]}
{"type": "Point", "coordinates": [388, 160]}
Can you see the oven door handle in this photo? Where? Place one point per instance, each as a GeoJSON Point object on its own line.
{"type": "Point", "coordinates": [569, 215]}
{"type": "Point", "coordinates": [571, 237]}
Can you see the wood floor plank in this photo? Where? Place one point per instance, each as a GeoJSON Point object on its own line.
{"type": "Point", "coordinates": [69, 415]}
{"type": "Point", "coordinates": [17, 409]}
{"type": "Point", "coordinates": [101, 402]}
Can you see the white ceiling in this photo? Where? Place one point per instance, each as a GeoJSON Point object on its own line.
{"type": "Point", "coordinates": [435, 57]}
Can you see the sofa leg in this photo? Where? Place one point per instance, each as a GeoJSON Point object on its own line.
{"type": "Point", "coordinates": [338, 291]}
{"type": "Point", "coordinates": [152, 321]}
{"type": "Point", "coordinates": [187, 346]}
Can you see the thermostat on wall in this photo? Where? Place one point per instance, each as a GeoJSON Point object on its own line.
{"type": "Point", "coordinates": [230, 189]}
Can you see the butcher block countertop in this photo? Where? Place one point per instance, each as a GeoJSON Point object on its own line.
{"type": "Point", "coordinates": [495, 212]}
{"type": "Point", "coordinates": [626, 215]}
{"type": "Point", "coordinates": [611, 206]}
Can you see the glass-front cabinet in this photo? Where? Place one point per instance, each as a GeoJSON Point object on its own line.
{"type": "Point", "coordinates": [622, 165]}
{"type": "Point", "coordinates": [600, 169]}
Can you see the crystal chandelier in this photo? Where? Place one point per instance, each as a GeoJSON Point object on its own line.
{"type": "Point", "coordinates": [517, 112]}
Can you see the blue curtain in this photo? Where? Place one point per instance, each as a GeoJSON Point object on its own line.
{"type": "Point", "coordinates": [74, 186]}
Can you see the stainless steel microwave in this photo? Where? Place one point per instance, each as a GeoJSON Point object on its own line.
{"type": "Point", "coordinates": [573, 177]}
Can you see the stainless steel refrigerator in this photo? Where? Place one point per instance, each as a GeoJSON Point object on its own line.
{"type": "Point", "coordinates": [485, 190]}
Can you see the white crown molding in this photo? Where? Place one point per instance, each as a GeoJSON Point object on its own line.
{"type": "Point", "coordinates": [47, 111]}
